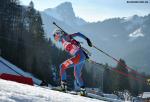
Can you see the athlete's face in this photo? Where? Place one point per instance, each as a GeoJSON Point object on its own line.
{"type": "Point", "coordinates": [56, 37]}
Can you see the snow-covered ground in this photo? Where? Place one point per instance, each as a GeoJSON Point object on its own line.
{"type": "Point", "coordinates": [9, 68]}
{"type": "Point", "coordinates": [16, 92]}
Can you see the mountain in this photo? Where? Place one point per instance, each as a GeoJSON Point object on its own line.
{"type": "Point", "coordinates": [65, 13]}
{"type": "Point", "coordinates": [127, 38]}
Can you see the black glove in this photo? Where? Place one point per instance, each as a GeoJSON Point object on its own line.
{"type": "Point", "coordinates": [89, 42]}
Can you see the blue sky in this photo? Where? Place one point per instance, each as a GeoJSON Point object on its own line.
{"type": "Point", "coordinates": [97, 10]}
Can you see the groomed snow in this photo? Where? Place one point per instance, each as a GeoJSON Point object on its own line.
{"type": "Point", "coordinates": [16, 92]}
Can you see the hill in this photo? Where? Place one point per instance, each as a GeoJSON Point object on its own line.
{"type": "Point", "coordinates": [16, 92]}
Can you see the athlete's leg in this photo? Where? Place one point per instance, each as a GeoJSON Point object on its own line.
{"type": "Point", "coordinates": [68, 63]}
{"type": "Point", "coordinates": [78, 73]}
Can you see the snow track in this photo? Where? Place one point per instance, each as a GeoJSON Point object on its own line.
{"type": "Point", "coordinates": [16, 92]}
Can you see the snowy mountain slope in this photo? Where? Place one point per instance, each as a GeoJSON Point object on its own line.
{"type": "Point", "coordinates": [134, 35]}
{"type": "Point", "coordinates": [16, 92]}
{"type": "Point", "coordinates": [7, 67]}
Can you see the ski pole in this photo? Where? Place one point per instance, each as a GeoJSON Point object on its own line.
{"type": "Point", "coordinates": [59, 27]}
{"type": "Point", "coordinates": [105, 54]}
{"type": "Point", "coordinates": [117, 61]}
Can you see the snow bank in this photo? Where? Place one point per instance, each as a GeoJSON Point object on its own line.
{"type": "Point", "coordinates": [9, 68]}
{"type": "Point", "coordinates": [16, 92]}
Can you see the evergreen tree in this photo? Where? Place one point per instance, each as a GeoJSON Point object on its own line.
{"type": "Point", "coordinates": [134, 85]}
{"type": "Point", "coordinates": [123, 81]}
{"type": "Point", "coordinates": [107, 83]}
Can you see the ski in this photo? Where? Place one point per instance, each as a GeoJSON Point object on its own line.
{"type": "Point", "coordinates": [67, 91]}
{"type": "Point", "coordinates": [88, 95]}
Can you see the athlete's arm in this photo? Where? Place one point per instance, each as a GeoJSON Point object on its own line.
{"type": "Point", "coordinates": [79, 35]}
{"type": "Point", "coordinates": [82, 36]}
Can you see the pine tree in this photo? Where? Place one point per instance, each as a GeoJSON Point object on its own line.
{"type": "Point", "coordinates": [107, 83]}
{"type": "Point", "coordinates": [123, 81]}
{"type": "Point", "coordinates": [134, 85]}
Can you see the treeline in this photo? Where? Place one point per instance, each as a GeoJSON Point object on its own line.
{"type": "Point", "coordinates": [117, 79]}
{"type": "Point", "coordinates": [23, 41]}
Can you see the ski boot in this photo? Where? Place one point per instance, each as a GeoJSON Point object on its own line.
{"type": "Point", "coordinates": [83, 91]}
{"type": "Point", "coordinates": [63, 86]}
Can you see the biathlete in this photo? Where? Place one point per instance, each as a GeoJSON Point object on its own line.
{"type": "Point", "coordinates": [79, 57]}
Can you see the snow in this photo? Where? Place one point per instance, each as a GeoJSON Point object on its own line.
{"type": "Point", "coordinates": [111, 96]}
{"type": "Point", "coordinates": [9, 68]}
{"type": "Point", "coordinates": [146, 95]}
{"type": "Point", "coordinates": [108, 98]}
{"type": "Point", "coordinates": [16, 92]}
{"type": "Point", "coordinates": [134, 35]}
